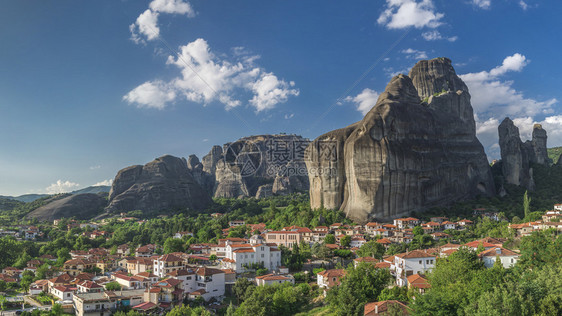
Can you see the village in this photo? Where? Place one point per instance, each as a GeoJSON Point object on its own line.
{"type": "Point", "coordinates": [100, 281]}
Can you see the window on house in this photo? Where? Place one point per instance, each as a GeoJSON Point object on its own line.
{"type": "Point", "coordinates": [420, 262]}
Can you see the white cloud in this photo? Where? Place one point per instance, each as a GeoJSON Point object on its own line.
{"type": "Point", "coordinates": [498, 98]}
{"type": "Point", "coordinates": [435, 35]}
{"type": "Point", "coordinates": [523, 5]}
{"type": "Point", "coordinates": [390, 72]}
{"type": "Point", "coordinates": [146, 25]}
{"type": "Point", "coordinates": [206, 78]}
{"type": "Point", "coordinates": [401, 14]}
{"type": "Point", "coordinates": [364, 100]}
{"type": "Point", "coordinates": [487, 133]}
{"type": "Point", "coordinates": [269, 90]}
{"type": "Point", "coordinates": [483, 4]}
{"type": "Point", "coordinates": [61, 187]}
{"type": "Point", "coordinates": [104, 183]}
{"type": "Point", "coordinates": [289, 116]}
{"type": "Point", "coordinates": [172, 6]}
{"type": "Point", "coordinates": [95, 167]}
{"type": "Point", "coordinates": [510, 63]}
{"type": "Point", "coordinates": [151, 94]}
{"type": "Point", "coordinates": [414, 54]}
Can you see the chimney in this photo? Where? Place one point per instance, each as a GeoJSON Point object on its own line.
{"type": "Point", "coordinates": [376, 309]}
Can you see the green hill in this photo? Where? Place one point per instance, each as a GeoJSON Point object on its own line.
{"type": "Point", "coordinates": [554, 153]}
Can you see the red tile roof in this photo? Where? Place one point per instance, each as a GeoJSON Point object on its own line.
{"type": "Point", "coordinates": [418, 281]}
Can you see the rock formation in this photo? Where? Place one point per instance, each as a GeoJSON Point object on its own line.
{"type": "Point", "coordinates": [259, 166]}
{"type": "Point", "coordinates": [163, 184]}
{"type": "Point", "coordinates": [406, 154]}
{"type": "Point", "coordinates": [518, 156]}
{"type": "Point", "coordinates": [80, 206]}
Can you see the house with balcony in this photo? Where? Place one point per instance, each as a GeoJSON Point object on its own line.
{"type": "Point", "coordinates": [139, 265]}
{"type": "Point", "coordinates": [165, 293]}
{"type": "Point", "coordinates": [408, 222]}
{"type": "Point", "coordinates": [412, 262]}
{"type": "Point", "coordinates": [243, 257]}
{"type": "Point", "coordinates": [209, 282]}
{"type": "Point", "coordinates": [76, 266]}
{"type": "Point", "coordinates": [165, 264]}
{"type": "Point", "coordinates": [285, 238]}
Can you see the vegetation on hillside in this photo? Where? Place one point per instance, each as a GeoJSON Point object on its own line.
{"type": "Point", "coordinates": [554, 153]}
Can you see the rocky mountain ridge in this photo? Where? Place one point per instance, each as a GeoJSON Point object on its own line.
{"type": "Point", "coordinates": [416, 148]}
{"type": "Point", "coordinates": [517, 156]}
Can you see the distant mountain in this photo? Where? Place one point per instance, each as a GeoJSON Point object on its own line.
{"type": "Point", "coordinates": [80, 206]}
{"type": "Point", "coordinates": [32, 197]}
{"type": "Point", "coordinates": [25, 198]}
{"type": "Point", "coordinates": [93, 189]}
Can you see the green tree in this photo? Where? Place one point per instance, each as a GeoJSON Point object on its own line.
{"type": "Point", "coordinates": [242, 289]}
{"type": "Point", "coordinates": [41, 272]}
{"type": "Point", "coordinates": [57, 310]}
{"type": "Point", "coordinates": [2, 301]}
{"type": "Point", "coordinates": [26, 281]}
{"type": "Point", "coordinates": [345, 241]}
{"type": "Point", "coordinates": [180, 311]}
{"type": "Point", "coordinates": [394, 293]}
{"type": "Point", "coordinates": [371, 249]}
{"type": "Point", "coordinates": [418, 230]}
{"type": "Point", "coordinates": [63, 255]}
{"type": "Point", "coordinates": [113, 286]}
{"type": "Point", "coordinates": [330, 239]}
{"type": "Point", "coordinates": [319, 250]}
{"type": "Point", "coordinates": [173, 245]}
{"type": "Point", "coordinates": [359, 286]}
{"type": "Point", "coordinates": [230, 310]}
{"type": "Point", "coordinates": [526, 204]}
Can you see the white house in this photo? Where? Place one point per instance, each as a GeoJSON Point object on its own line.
{"type": "Point", "coordinates": [357, 241]}
{"type": "Point", "coordinates": [210, 282]}
{"type": "Point", "coordinates": [409, 222]}
{"type": "Point", "coordinates": [104, 303]}
{"type": "Point", "coordinates": [413, 262]}
{"type": "Point", "coordinates": [270, 279]}
{"type": "Point", "coordinates": [127, 282]}
{"type": "Point", "coordinates": [507, 257]}
{"type": "Point", "coordinates": [558, 207]}
{"type": "Point", "coordinates": [89, 287]}
{"type": "Point", "coordinates": [166, 264]}
{"type": "Point", "coordinates": [241, 257]}
{"type": "Point", "coordinates": [188, 278]}
{"type": "Point", "coordinates": [63, 292]}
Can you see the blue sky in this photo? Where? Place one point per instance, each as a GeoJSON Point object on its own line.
{"type": "Point", "coordinates": [90, 87]}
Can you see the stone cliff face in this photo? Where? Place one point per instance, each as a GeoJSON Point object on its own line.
{"type": "Point", "coordinates": [259, 166]}
{"type": "Point", "coordinates": [163, 184]}
{"type": "Point", "coordinates": [518, 156]}
{"type": "Point", "coordinates": [406, 154]}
